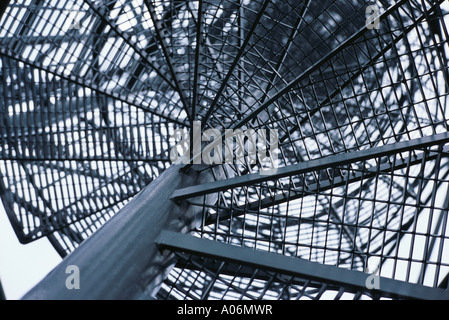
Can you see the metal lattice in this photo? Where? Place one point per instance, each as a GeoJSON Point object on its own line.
{"type": "Point", "coordinates": [93, 93]}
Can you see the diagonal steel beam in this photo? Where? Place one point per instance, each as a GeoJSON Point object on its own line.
{"type": "Point", "coordinates": [294, 266]}
{"type": "Point", "coordinates": [217, 267]}
{"type": "Point", "coordinates": [325, 59]}
{"type": "Point", "coordinates": [339, 181]}
{"type": "Point", "coordinates": [312, 165]}
{"type": "Point", "coordinates": [121, 259]}
{"type": "Point", "coordinates": [315, 67]}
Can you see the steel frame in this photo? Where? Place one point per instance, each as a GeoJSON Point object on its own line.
{"type": "Point", "coordinates": [118, 262]}
{"type": "Point", "coordinates": [312, 165]}
{"type": "Point", "coordinates": [179, 200]}
{"type": "Point", "coordinates": [323, 186]}
{"type": "Point", "coordinates": [294, 267]}
{"type": "Point", "coordinates": [313, 68]}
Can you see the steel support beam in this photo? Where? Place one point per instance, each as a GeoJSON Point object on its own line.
{"type": "Point", "coordinates": [304, 75]}
{"type": "Point", "coordinates": [312, 165]}
{"type": "Point", "coordinates": [338, 181]}
{"type": "Point", "coordinates": [350, 80]}
{"type": "Point", "coordinates": [196, 74]}
{"type": "Point", "coordinates": [295, 267]}
{"type": "Point", "coordinates": [197, 263]}
{"type": "Point", "coordinates": [266, 103]}
{"type": "Point", "coordinates": [121, 259]}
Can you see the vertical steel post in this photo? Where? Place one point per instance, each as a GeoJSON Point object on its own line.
{"type": "Point", "coordinates": [121, 260]}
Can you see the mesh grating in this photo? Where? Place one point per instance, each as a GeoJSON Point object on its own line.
{"type": "Point", "coordinates": [87, 109]}
{"type": "Point", "coordinates": [219, 280]}
{"type": "Point", "coordinates": [93, 92]}
{"type": "Point", "coordinates": [384, 214]}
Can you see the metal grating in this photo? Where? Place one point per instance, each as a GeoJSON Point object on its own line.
{"type": "Point", "coordinates": [93, 93]}
{"type": "Point", "coordinates": [221, 280]}
{"type": "Point", "coordinates": [208, 269]}
{"type": "Point", "coordinates": [387, 214]}
{"type": "Point", "coordinates": [86, 116]}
